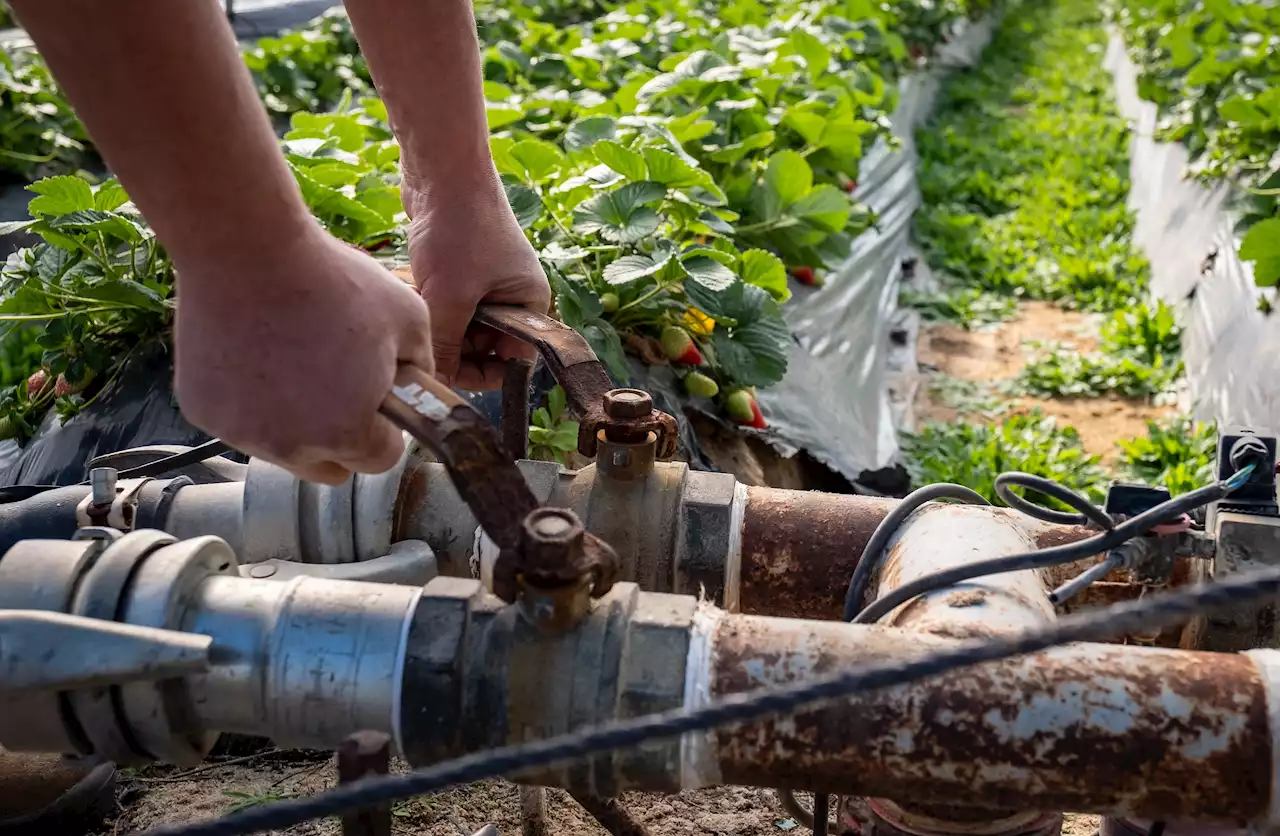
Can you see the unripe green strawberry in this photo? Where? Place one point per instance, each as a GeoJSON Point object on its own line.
{"type": "Point", "coordinates": [609, 301]}
{"type": "Point", "coordinates": [8, 429]}
{"type": "Point", "coordinates": [742, 408]}
{"type": "Point", "coordinates": [700, 386]}
{"type": "Point", "coordinates": [679, 347]}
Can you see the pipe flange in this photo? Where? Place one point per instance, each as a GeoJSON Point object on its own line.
{"type": "Point", "coordinates": [375, 505]}
{"type": "Point", "coordinates": [99, 596]}
{"type": "Point", "coordinates": [270, 513]}
{"type": "Point", "coordinates": [158, 596]}
{"type": "Point", "coordinates": [42, 575]}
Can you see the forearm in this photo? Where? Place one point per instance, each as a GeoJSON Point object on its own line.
{"type": "Point", "coordinates": [163, 91]}
{"type": "Point", "coordinates": [425, 62]}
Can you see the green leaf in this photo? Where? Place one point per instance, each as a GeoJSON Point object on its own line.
{"type": "Point", "coordinates": [738, 150]}
{"type": "Point", "coordinates": [108, 223]}
{"type": "Point", "coordinates": [788, 176]}
{"type": "Point", "coordinates": [109, 197]}
{"type": "Point", "coordinates": [708, 272]}
{"type": "Point", "coordinates": [806, 123]}
{"type": "Point", "coordinates": [587, 132]}
{"type": "Point", "coordinates": [630, 164]}
{"type": "Point", "coordinates": [537, 158]}
{"type": "Point", "coordinates": [60, 196]}
{"type": "Point", "coordinates": [560, 255]}
{"type": "Point", "coordinates": [556, 400]}
{"type": "Point", "coordinates": [715, 223]}
{"type": "Point", "coordinates": [565, 437]}
{"type": "Point", "coordinates": [1241, 110]}
{"type": "Point", "coordinates": [576, 302]}
{"type": "Point", "coordinates": [10, 227]}
{"type": "Point", "coordinates": [607, 345]}
{"type": "Point", "coordinates": [670, 170]}
{"type": "Point", "coordinates": [755, 355]}
{"type": "Point", "coordinates": [628, 268]}
{"type": "Point", "coordinates": [124, 292]}
{"type": "Point", "coordinates": [498, 116]}
{"type": "Point", "coordinates": [524, 202]}
{"type": "Point", "coordinates": [1261, 245]}
{"type": "Point", "coordinates": [826, 207]}
{"type": "Point", "coordinates": [815, 55]}
{"type": "Point", "coordinates": [766, 270]}
{"type": "Point", "coordinates": [621, 215]}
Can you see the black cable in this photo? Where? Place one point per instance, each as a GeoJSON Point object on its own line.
{"type": "Point", "coordinates": [1053, 556]}
{"type": "Point", "coordinates": [1089, 513]}
{"type": "Point", "coordinates": [1156, 829]}
{"type": "Point", "coordinates": [515, 761]}
{"type": "Point", "coordinates": [821, 813]}
{"type": "Point", "coordinates": [870, 558]}
{"type": "Point", "coordinates": [195, 455]}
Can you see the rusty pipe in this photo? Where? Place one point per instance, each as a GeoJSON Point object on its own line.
{"type": "Point", "coordinates": [1093, 728]}
{"type": "Point", "coordinates": [760, 550]}
{"type": "Point", "coordinates": [934, 538]}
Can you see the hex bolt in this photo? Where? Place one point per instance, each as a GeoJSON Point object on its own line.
{"type": "Point", "coordinates": [552, 537]}
{"type": "Point", "coordinates": [627, 404]}
{"type": "Point", "coordinates": [102, 482]}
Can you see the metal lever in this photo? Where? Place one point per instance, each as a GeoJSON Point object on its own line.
{"type": "Point", "coordinates": [535, 550]}
{"type": "Point", "coordinates": [51, 651]}
{"type": "Point", "coordinates": [577, 369]}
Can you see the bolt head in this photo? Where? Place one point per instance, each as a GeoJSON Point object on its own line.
{"type": "Point", "coordinates": [627, 404]}
{"type": "Point", "coordinates": [552, 533]}
{"type": "Point", "coordinates": [262, 570]}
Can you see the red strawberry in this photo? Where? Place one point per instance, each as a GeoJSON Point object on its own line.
{"type": "Point", "coordinates": [700, 386]}
{"type": "Point", "coordinates": [916, 51]}
{"type": "Point", "coordinates": [679, 347]}
{"type": "Point", "coordinates": [757, 417]}
{"type": "Point", "coordinates": [806, 276]}
{"type": "Point", "coordinates": [850, 186]}
{"type": "Point", "coordinates": [63, 387]}
{"type": "Point", "coordinates": [36, 383]}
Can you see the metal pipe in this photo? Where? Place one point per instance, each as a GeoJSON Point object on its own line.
{"type": "Point", "coordinates": [934, 538]}
{"type": "Point", "coordinates": [1089, 728]}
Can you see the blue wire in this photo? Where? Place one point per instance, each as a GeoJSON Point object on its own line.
{"type": "Point", "coordinates": [1241, 476]}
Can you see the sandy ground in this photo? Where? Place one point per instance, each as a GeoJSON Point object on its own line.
{"type": "Point", "coordinates": [983, 360]}
{"type": "Point", "coordinates": [162, 795]}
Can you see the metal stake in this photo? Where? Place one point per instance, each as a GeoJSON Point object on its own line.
{"type": "Point", "coordinates": [361, 755]}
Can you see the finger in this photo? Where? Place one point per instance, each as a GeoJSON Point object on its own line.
{"type": "Point", "coordinates": [513, 348]}
{"type": "Point", "coordinates": [320, 472]}
{"type": "Point", "coordinates": [448, 330]}
{"type": "Point", "coordinates": [381, 445]}
{"type": "Point", "coordinates": [480, 375]}
{"type": "Point", "coordinates": [415, 346]}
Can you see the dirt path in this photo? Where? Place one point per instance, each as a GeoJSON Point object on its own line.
{"type": "Point", "coordinates": [967, 372]}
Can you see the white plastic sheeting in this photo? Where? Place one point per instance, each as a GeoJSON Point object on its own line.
{"type": "Point", "coordinates": [1231, 350]}
{"type": "Point", "coordinates": [834, 401]}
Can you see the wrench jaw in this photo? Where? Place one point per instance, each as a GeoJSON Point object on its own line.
{"type": "Point", "coordinates": [548, 563]}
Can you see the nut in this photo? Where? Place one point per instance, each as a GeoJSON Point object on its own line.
{"type": "Point", "coordinates": [551, 538]}
{"type": "Point", "coordinates": [627, 404]}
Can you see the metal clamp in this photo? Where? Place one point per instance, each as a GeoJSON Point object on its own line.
{"type": "Point", "coordinates": [543, 551]}
{"type": "Point", "coordinates": [586, 383]}
{"type": "Point", "coordinates": [111, 503]}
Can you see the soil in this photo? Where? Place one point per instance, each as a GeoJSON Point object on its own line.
{"type": "Point", "coordinates": [155, 797]}
{"type": "Point", "coordinates": [989, 358]}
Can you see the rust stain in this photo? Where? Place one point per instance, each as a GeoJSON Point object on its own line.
{"type": "Point", "coordinates": [411, 498]}
{"type": "Point", "coordinates": [1096, 728]}
{"type": "Point", "coordinates": [799, 549]}
{"type": "Point", "coordinates": [966, 598]}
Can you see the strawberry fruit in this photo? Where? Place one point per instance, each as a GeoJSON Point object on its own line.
{"type": "Point", "coordinates": [63, 387]}
{"type": "Point", "coordinates": [609, 301]}
{"type": "Point", "coordinates": [679, 347]}
{"type": "Point", "coordinates": [36, 383]}
{"type": "Point", "coordinates": [744, 409]}
{"type": "Point", "coordinates": [700, 386]}
{"type": "Point", "coordinates": [806, 276]}
{"type": "Point", "coordinates": [850, 186]}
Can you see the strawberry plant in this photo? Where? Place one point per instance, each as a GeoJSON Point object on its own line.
{"type": "Point", "coordinates": [975, 454]}
{"type": "Point", "coordinates": [95, 291]}
{"type": "Point", "coordinates": [311, 68]}
{"type": "Point", "coordinates": [553, 436]}
{"type": "Point", "coordinates": [1213, 70]}
{"type": "Point", "coordinates": [969, 308]}
{"type": "Point", "coordinates": [38, 130]}
{"type": "Point", "coordinates": [1180, 454]}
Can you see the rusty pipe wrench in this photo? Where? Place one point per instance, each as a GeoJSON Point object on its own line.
{"type": "Point", "coordinates": [582, 376]}
{"type": "Point", "coordinates": [492, 486]}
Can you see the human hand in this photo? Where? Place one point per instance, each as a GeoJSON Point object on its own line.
{"type": "Point", "coordinates": [287, 356]}
{"type": "Point", "coordinates": [462, 253]}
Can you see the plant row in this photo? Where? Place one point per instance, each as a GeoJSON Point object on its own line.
{"type": "Point", "coordinates": [671, 161]}
{"type": "Point", "coordinates": [1213, 70]}
{"type": "Point", "coordinates": [1024, 174]}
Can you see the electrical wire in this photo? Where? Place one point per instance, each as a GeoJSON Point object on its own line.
{"type": "Point", "coordinates": [515, 761]}
{"type": "Point", "coordinates": [1055, 555]}
{"type": "Point", "coordinates": [1089, 513]}
{"type": "Point", "coordinates": [888, 526]}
